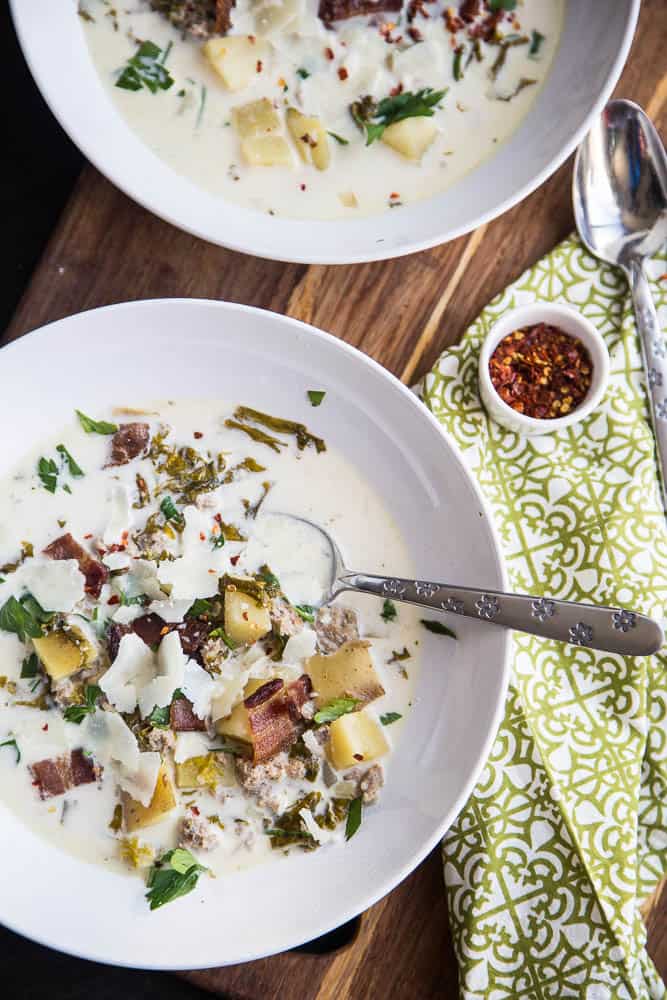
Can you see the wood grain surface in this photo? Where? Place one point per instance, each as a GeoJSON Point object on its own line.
{"type": "Point", "coordinates": [403, 313]}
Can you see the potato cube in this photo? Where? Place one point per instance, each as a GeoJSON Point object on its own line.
{"type": "Point", "coordinates": [310, 137]}
{"type": "Point", "coordinates": [237, 725]}
{"type": "Point", "coordinates": [347, 673]}
{"type": "Point", "coordinates": [207, 771]}
{"type": "Point", "coordinates": [411, 137]}
{"type": "Point", "coordinates": [266, 151]}
{"type": "Point", "coordinates": [163, 801]}
{"type": "Point", "coordinates": [245, 619]}
{"type": "Point", "coordinates": [234, 59]}
{"type": "Point", "coordinates": [256, 118]}
{"type": "Point", "coordinates": [354, 739]}
{"type": "Point", "coordinates": [63, 652]}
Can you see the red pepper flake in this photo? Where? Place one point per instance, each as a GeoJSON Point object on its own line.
{"type": "Point", "coordinates": [329, 53]}
{"type": "Point", "coordinates": [541, 371]}
{"type": "Point", "coordinates": [415, 34]}
{"type": "Point", "coordinates": [259, 65]}
{"type": "Point", "coordinates": [198, 435]}
{"type": "Point", "coordinates": [202, 536]}
{"type": "Point", "coordinates": [89, 535]}
{"type": "Point", "coordinates": [194, 810]}
{"type": "Point", "coordinates": [302, 186]}
{"type": "Point", "coordinates": [395, 91]}
{"type": "Point", "coordinates": [358, 756]}
{"type": "Point", "coordinates": [394, 195]}
{"type": "Point", "coordinates": [234, 559]}
{"type": "Point", "coordinates": [114, 599]}
{"type": "Point", "coordinates": [342, 73]}
{"type": "Point", "coordinates": [45, 727]}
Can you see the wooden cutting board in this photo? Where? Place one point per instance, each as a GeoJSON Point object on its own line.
{"type": "Point", "coordinates": [403, 313]}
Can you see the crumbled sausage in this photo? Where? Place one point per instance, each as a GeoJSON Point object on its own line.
{"type": "Point", "coordinates": [259, 780]}
{"type": "Point", "coordinates": [369, 781]}
{"type": "Point", "coordinates": [159, 739]}
{"type": "Point", "coordinates": [334, 626]}
{"type": "Point", "coordinates": [285, 620]}
{"type": "Point", "coordinates": [199, 18]}
{"type": "Point", "coordinates": [197, 832]}
{"type": "Point", "coordinates": [129, 441]}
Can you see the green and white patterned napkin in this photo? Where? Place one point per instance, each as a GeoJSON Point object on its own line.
{"type": "Point", "coordinates": [566, 832]}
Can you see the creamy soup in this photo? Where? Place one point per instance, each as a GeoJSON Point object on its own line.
{"type": "Point", "coordinates": [166, 678]}
{"type": "Point", "coordinates": [296, 117]}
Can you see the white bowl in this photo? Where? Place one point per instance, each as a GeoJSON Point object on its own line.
{"type": "Point", "coordinates": [594, 45]}
{"type": "Point", "coordinates": [218, 351]}
{"type": "Point", "coordinates": [570, 321]}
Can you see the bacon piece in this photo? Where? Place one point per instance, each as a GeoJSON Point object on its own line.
{"type": "Point", "coordinates": [129, 441]}
{"type": "Point", "coordinates": [193, 634]}
{"type": "Point", "coordinates": [96, 573]}
{"type": "Point", "coordinates": [469, 10]}
{"type": "Point", "coordinates": [56, 775]}
{"type": "Point", "coordinates": [338, 10]}
{"type": "Point", "coordinates": [182, 717]}
{"type": "Point", "coordinates": [223, 16]}
{"type": "Point", "coordinates": [150, 628]}
{"type": "Point", "coordinates": [276, 721]}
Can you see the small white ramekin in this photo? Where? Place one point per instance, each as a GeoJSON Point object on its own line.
{"type": "Point", "coordinates": [568, 320]}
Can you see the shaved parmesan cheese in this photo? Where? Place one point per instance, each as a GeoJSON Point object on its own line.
{"type": "Point", "coordinates": [126, 613]}
{"type": "Point", "coordinates": [140, 782]}
{"type": "Point", "coordinates": [171, 611]}
{"type": "Point", "coordinates": [311, 742]}
{"type": "Point", "coordinates": [190, 745]}
{"type": "Point", "coordinates": [116, 560]}
{"type": "Point", "coordinates": [144, 574]}
{"type": "Point", "coordinates": [108, 737]}
{"type": "Point", "coordinates": [130, 672]}
{"type": "Point", "coordinates": [120, 516]}
{"type": "Point", "coordinates": [171, 663]}
{"type": "Point", "coordinates": [56, 584]}
{"type": "Point", "coordinates": [227, 695]}
{"type": "Point", "coordinates": [300, 646]}
{"type": "Point", "coordinates": [197, 569]}
{"type": "Point", "coordinates": [317, 833]}
{"type": "Point", "coordinates": [199, 687]}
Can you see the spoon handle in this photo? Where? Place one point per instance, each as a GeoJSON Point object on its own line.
{"type": "Point", "coordinates": [612, 629]}
{"type": "Point", "coordinates": [654, 350]}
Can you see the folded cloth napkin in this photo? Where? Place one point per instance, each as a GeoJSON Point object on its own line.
{"type": "Point", "coordinates": [566, 831]}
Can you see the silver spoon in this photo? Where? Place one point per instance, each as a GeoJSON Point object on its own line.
{"type": "Point", "coordinates": [615, 630]}
{"type": "Point", "coordinates": [619, 190]}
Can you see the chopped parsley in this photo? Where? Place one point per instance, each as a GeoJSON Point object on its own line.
{"type": "Point", "coordinates": [353, 818]}
{"type": "Point", "coordinates": [334, 709]}
{"type": "Point", "coordinates": [316, 396]}
{"type": "Point", "coordinates": [30, 666]}
{"type": "Point", "coordinates": [159, 717]}
{"type": "Point", "coordinates": [14, 745]}
{"type": "Point", "coordinates": [389, 612]}
{"type": "Point", "coordinates": [339, 139]}
{"type": "Point", "coordinates": [146, 69]}
{"type": "Point", "coordinates": [305, 611]}
{"type": "Point", "coordinates": [199, 607]}
{"type": "Point", "coordinates": [390, 717]}
{"type": "Point", "coordinates": [219, 633]}
{"type": "Point", "coordinates": [457, 68]}
{"type": "Point", "coordinates": [496, 5]}
{"type": "Point", "coordinates": [171, 513]}
{"type": "Point", "coordinates": [174, 874]}
{"type": "Point", "coordinates": [374, 117]}
{"type": "Point", "coordinates": [438, 627]}
{"type": "Point", "coordinates": [47, 470]}
{"type": "Point", "coordinates": [217, 541]}
{"type": "Point", "coordinates": [77, 713]}
{"type": "Point", "coordinates": [25, 617]}
{"type": "Point", "coordinates": [303, 73]}
{"type": "Point", "coordinates": [91, 426]}
{"type": "Point", "coordinates": [74, 469]}
{"type": "Point", "coordinates": [536, 40]}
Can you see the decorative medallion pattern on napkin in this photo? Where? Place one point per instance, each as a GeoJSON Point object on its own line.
{"type": "Point", "coordinates": [566, 832]}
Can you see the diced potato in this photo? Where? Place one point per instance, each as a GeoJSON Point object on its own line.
{"type": "Point", "coordinates": [163, 801]}
{"type": "Point", "coordinates": [234, 59]}
{"type": "Point", "coordinates": [310, 137]}
{"type": "Point", "coordinates": [63, 652]}
{"type": "Point", "coordinates": [245, 619]}
{"type": "Point", "coordinates": [411, 137]}
{"type": "Point", "coordinates": [255, 118]}
{"type": "Point", "coordinates": [266, 151]}
{"type": "Point", "coordinates": [206, 771]}
{"type": "Point", "coordinates": [349, 672]}
{"type": "Point", "coordinates": [237, 725]}
{"type": "Point", "coordinates": [348, 199]}
{"type": "Point", "coordinates": [354, 739]}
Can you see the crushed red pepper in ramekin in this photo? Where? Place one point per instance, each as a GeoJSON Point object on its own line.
{"type": "Point", "coordinates": [541, 371]}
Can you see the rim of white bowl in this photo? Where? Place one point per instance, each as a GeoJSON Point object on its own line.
{"type": "Point", "coordinates": [268, 248]}
{"type": "Point", "coordinates": [575, 325]}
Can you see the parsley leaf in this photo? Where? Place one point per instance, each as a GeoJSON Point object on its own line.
{"type": "Point", "coordinates": [91, 426]}
{"type": "Point", "coordinates": [496, 5]}
{"type": "Point", "coordinates": [199, 607]}
{"type": "Point", "coordinates": [373, 118]}
{"type": "Point", "coordinates": [353, 818]}
{"type": "Point", "coordinates": [146, 69]}
{"type": "Point", "coordinates": [217, 541]}
{"type": "Point", "coordinates": [390, 717]}
{"type": "Point", "coordinates": [170, 512]}
{"type": "Point", "coordinates": [25, 617]}
{"type": "Point", "coordinates": [303, 73]}
{"type": "Point", "coordinates": [47, 470]}
{"type": "Point", "coordinates": [175, 874]}
{"type": "Point", "coordinates": [438, 627]}
{"type": "Point", "coordinates": [316, 396]}
{"type": "Point", "coordinates": [536, 40]}
{"type": "Point", "coordinates": [305, 611]}
{"type": "Point", "coordinates": [219, 633]}
{"type": "Point", "coordinates": [77, 713]}
{"type": "Point", "coordinates": [12, 743]}
{"type": "Point", "coordinates": [334, 709]}
{"type": "Point", "coordinates": [159, 717]}
{"type": "Point", "coordinates": [74, 469]}
{"type": "Point", "coordinates": [339, 138]}
{"type": "Point", "coordinates": [389, 612]}
{"type": "Point", "coordinates": [30, 666]}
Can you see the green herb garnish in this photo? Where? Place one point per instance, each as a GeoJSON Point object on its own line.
{"type": "Point", "coordinates": [303, 73]}
{"type": "Point", "coordinates": [521, 85]}
{"type": "Point", "coordinates": [496, 5]}
{"type": "Point", "coordinates": [353, 818]}
{"type": "Point", "coordinates": [315, 396]}
{"type": "Point", "coordinates": [77, 713]}
{"type": "Point", "coordinates": [159, 717]}
{"type": "Point", "coordinates": [202, 105]}
{"type": "Point", "coordinates": [219, 633]}
{"type": "Point", "coordinates": [30, 666]}
{"type": "Point", "coordinates": [74, 469]}
{"type": "Point", "coordinates": [339, 139]}
{"type": "Point", "coordinates": [47, 470]}
{"type": "Point", "coordinates": [280, 425]}
{"type": "Point", "coordinates": [175, 874]}
{"type": "Point", "coordinates": [438, 627]}
{"type": "Point", "coordinates": [116, 823]}
{"type": "Point", "coordinates": [146, 69]}
{"type": "Point", "coordinates": [390, 717]}
{"type": "Point", "coordinates": [305, 611]}
{"type": "Point", "coordinates": [389, 611]}
{"type": "Point", "coordinates": [457, 67]}
{"type": "Point", "coordinates": [25, 617]}
{"type": "Point", "coordinates": [91, 426]}
{"type": "Point", "coordinates": [217, 541]}
{"type": "Point", "coordinates": [12, 743]}
{"type": "Point", "coordinates": [536, 40]}
{"type": "Point", "coordinates": [373, 118]}
{"type": "Point", "coordinates": [199, 607]}
{"type": "Point", "coordinates": [334, 709]}
{"type": "Point", "coordinates": [171, 513]}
